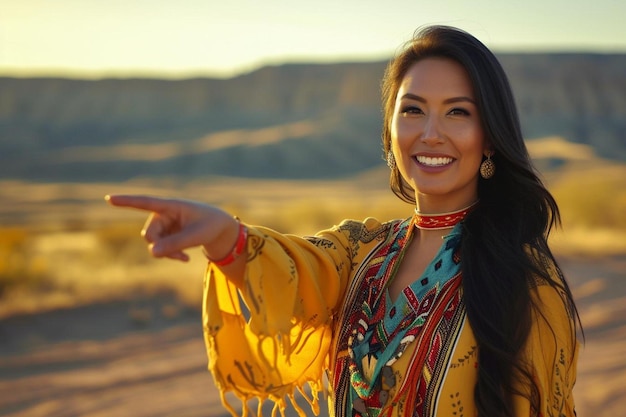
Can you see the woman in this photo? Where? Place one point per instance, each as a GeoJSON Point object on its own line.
{"type": "Point", "coordinates": [461, 309]}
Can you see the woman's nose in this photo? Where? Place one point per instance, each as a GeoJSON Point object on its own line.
{"type": "Point", "coordinates": [432, 132]}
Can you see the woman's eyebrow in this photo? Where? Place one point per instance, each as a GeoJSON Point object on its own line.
{"type": "Point", "coordinates": [415, 97]}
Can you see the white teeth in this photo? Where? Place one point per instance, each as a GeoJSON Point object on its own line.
{"type": "Point", "coordinates": [438, 161]}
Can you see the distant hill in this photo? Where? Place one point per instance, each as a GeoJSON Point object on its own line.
{"type": "Point", "coordinates": [289, 121]}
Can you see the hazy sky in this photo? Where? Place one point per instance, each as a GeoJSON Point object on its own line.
{"type": "Point", "coordinates": [223, 37]}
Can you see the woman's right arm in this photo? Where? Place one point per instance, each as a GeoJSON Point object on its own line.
{"type": "Point", "coordinates": [292, 287]}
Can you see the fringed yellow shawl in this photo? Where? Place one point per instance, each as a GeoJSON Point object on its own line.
{"type": "Point", "coordinates": [282, 331]}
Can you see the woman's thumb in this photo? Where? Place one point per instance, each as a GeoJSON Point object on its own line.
{"type": "Point", "coordinates": [172, 246]}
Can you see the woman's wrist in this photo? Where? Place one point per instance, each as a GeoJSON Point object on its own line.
{"type": "Point", "coordinates": [235, 250]}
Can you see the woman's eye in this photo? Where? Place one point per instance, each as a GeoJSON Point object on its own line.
{"type": "Point", "coordinates": [411, 110]}
{"type": "Point", "coordinates": [459, 112]}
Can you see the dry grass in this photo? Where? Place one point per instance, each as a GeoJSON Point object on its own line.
{"type": "Point", "coordinates": [69, 248]}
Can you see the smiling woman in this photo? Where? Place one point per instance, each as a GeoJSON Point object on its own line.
{"type": "Point", "coordinates": [437, 137]}
{"type": "Point", "coordinates": [458, 309]}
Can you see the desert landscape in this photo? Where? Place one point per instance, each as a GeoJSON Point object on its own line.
{"type": "Point", "coordinates": [91, 325]}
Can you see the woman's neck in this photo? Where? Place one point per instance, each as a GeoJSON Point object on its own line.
{"type": "Point", "coordinates": [433, 205]}
{"type": "Point", "coordinates": [434, 226]}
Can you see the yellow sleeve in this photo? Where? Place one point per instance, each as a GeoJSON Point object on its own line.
{"type": "Point", "coordinates": [291, 289]}
{"type": "Point", "coordinates": [551, 355]}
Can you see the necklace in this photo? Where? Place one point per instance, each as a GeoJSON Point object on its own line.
{"type": "Point", "coordinates": [442, 220]}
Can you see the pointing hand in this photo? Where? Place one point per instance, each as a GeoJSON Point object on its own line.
{"type": "Point", "coordinates": [175, 225]}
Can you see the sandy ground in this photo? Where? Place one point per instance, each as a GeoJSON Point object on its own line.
{"type": "Point", "coordinates": [146, 357]}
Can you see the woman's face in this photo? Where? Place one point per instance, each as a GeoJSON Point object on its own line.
{"type": "Point", "coordinates": [436, 133]}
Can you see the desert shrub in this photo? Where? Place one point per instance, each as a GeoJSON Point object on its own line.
{"type": "Point", "coordinates": [309, 215]}
{"type": "Point", "coordinates": [121, 242]}
{"type": "Point", "coordinates": [595, 201]}
{"type": "Point", "coordinates": [20, 266]}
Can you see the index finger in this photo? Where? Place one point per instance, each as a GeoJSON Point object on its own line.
{"type": "Point", "coordinates": [142, 202]}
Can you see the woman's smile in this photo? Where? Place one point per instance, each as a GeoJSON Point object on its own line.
{"type": "Point", "coordinates": [433, 161]}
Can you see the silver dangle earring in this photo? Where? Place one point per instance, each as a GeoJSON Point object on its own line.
{"type": "Point", "coordinates": [487, 168]}
{"type": "Point", "coordinates": [391, 161]}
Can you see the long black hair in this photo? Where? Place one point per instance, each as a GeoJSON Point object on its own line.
{"type": "Point", "coordinates": [504, 249]}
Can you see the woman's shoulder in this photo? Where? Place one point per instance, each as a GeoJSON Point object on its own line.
{"type": "Point", "coordinates": [369, 229]}
{"type": "Point", "coordinates": [359, 233]}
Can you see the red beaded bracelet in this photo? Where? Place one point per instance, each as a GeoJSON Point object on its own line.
{"type": "Point", "coordinates": [237, 250]}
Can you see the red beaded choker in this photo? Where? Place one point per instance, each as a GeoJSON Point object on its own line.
{"type": "Point", "coordinates": [440, 221]}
